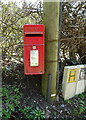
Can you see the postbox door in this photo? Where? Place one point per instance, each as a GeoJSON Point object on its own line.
{"type": "Point", "coordinates": [34, 60]}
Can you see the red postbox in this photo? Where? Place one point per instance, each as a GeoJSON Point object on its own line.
{"type": "Point", "coordinates": [33, 49]}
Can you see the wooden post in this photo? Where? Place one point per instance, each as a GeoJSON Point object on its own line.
{"type": "Point", "coordinates": [51, 22]}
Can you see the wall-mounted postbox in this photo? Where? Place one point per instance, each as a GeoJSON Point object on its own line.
{"type": "Point", "coordinates": [33, 49]}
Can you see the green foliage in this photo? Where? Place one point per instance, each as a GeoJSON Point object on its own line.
{"type": "Point", "coordinates": [10, 100]}
{"type": "Point", "coordinates": [37, 114]}
{"type": "Point", "coordinates": [26, 112]}
{"type": "Point", "coordinates": [82, 103]}
{"type": "Point", "coordinates": [82, 96]}
{"type": "Point", "coordinates": [79, 104]}
{"type": "Point", "coordinates": [82, 107]}
{"type": "Point", "coordinates": [11, 104]}
{"type": "Point", "coordinates": [69, 101]}
{"type": "Point", "coordinates": [32, 113]}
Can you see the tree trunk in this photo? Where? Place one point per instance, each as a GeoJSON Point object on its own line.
{"type": "Point", "coordinates": [51, 22]}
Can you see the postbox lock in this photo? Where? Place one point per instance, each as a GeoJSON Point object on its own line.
{"type": "Point", "coordinates": [34, 47]}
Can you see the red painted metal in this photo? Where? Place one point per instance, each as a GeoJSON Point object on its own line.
{"type": "Point", "coordinates": [33, 49]}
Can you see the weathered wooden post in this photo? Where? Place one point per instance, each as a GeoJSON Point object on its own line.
{"type": "Point", "coordinates": [51, 22]}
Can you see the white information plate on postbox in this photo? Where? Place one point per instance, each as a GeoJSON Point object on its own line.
{"type": "Point", "coordinates": [34, 58]}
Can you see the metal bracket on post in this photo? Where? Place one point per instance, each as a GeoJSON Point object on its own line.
{"type": "Point", "coordinates": [48, 96]}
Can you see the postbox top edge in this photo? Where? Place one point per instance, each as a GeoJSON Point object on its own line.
{"type": "Point", "coordinates": [34, 25]}
{"type": "Point", "coordinates": [33, 28]}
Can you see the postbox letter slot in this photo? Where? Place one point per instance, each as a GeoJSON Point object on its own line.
{"type": "Point", "coordinates": [34, 35]}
